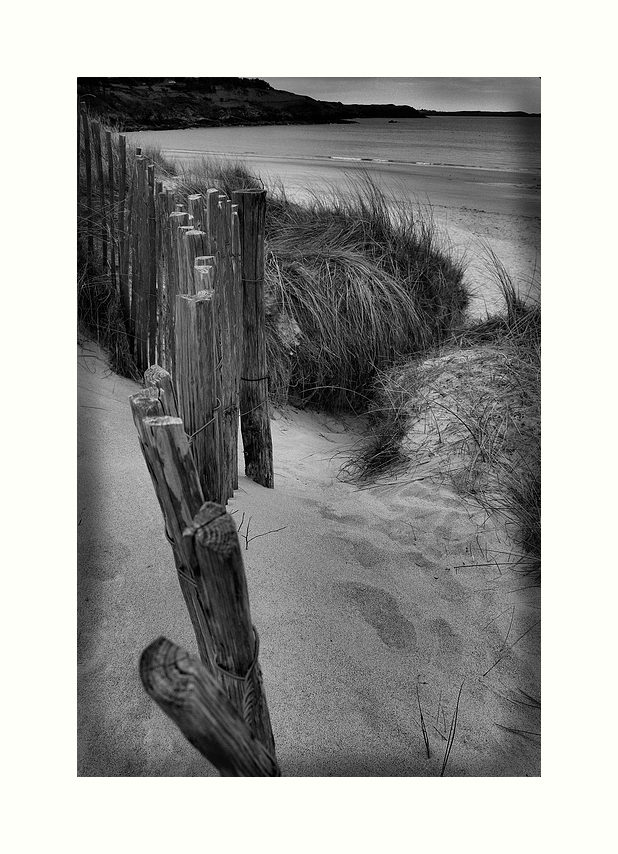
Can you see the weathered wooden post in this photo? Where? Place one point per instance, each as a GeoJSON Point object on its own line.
{"type": "Point", "coordinates": [176, 220]}
{"type": "Point", "coordinates": [153, 298]}
{"type": "Point", "coordinates": [195, 379]}
{"type": "Point", "coordinates": [141, 289]}
{"type": "Point", "coordinates": [229, 309]}
{"type": "Point", "coordinates": [195, 207]}
{"type": "Point", "coordinates": [123, 264]}
{"type": "Point", "coordinates": [112, 204]}
{"type": "Point", "coordinates": [157, 377]}
{"type": "Point", "coordinates": [169, 461]}
{"type": "Point", "coordinates": [96, 136]}
{"type": "Point", "coordinates": [222, 589]}
{"type": "Point", "coordinates": [195, 246]}
{"type": "Point", "coordinates": [88, 164]}
{"type": "Point", "coordinates": [254, 415]}
{"type": "Point", "coordinates": [188, 693]}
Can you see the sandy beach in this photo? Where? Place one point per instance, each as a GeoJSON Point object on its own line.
{"type": "Point", "coordinates": [364, 598]}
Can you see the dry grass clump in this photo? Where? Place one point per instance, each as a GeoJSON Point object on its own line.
{"type": "Point", "coordinates": [208, 172]}
{"type": "Point", "coordinates": [99, 316]}
{"type": "Point", "coordinates": [365, 281]}
{"type": "Point", "coordinates": [473, 414]}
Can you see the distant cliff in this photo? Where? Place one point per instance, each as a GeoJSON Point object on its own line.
{"type": "Point", "coordinates": [158, 103]}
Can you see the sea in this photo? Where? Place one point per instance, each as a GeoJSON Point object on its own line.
{"type": "Point", "coordinates": [506, 144]}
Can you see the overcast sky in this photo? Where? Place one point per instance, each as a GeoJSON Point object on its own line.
{"type": "Point", "coordinates": [431, 93]}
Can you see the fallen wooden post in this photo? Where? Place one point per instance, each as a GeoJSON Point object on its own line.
{"type": "Point", "coordinates": [188, 694]}
{"type": "Point", "coordinates": [222, 589]}
{"type": "Point", "coordinates": [254, 416]}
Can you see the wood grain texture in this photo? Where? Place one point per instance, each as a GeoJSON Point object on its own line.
{"type": "Point", "coordinates": [166, 450]}
{"type": "Point", "coordinates": [177, 219]}
{"type": "Point", "coordinates": [157, 377]}
{"type": "Point", "coordinates": [153, 294]}
{"type": "Point", "coordinates": [195, 381]}
{"type": "Point", "coordinates": [185, 690]}
{"type": "Point", "coordinates": [254, 409]}
{"type": "Point", "coordinates": [102, 219]}
{"type": "Point", "coordinates": [113, 209]}
{"type": "Point", "coordinates": [88, 167]}
{"type": "Point", "coordinates": [222, 587]}
{"type": "Point", "coordinates": [195, 246]}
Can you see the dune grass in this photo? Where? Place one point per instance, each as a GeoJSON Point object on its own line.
{"type": "Point", "coordinates": [364, 281]}
{"type": "Point", "coordinates": [363, 296]}
{"type": "Point", "coordinates": [470, 411]}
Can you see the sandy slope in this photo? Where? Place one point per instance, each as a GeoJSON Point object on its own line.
{"type": "Point", "coordinates": [362, 596]}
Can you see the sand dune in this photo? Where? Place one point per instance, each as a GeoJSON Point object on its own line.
{"type": "Point", "coordinates": [363, 596]}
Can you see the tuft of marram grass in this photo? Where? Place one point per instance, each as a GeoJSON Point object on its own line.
{"type": "Point", "coordinates": [365, 281]}
{"type": "Point", "coordinates": [473, 412]}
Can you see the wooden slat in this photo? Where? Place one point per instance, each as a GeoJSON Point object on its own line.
{"type": "Point", "coordinates": [125, 300]}
{"type": "Point", "coordinates": [112, 205]}
{"type": "Point", "coordinates": [177, 219]}
{"type": "Point", "coordinates": [102, 226]}
{"type": "Point", "coordinates": [88, 166]}
{"type": "Point", "coordinates": [254, 417]}
{"type": "Point", "coordinates": [160, 379]}
{"type": "Point", "coordinates": [195, 208]}
{"type": "Point", "coordinates": [222, 588]}
{"type": "Point", "coordinates": [169, 461]}
{"type": "Point", "coordinates": [195, 381]}
{"type": "Point", "coordinates": [195, 244]}
{"type": "Point", "coordinates": [153, 300]}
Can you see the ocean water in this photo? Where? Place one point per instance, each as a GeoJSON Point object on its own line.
{"type": "Point", "coordinates": [497, 144]}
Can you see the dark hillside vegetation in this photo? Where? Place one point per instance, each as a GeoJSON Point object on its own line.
{"type": "Point", "coordinates": [159, 103]}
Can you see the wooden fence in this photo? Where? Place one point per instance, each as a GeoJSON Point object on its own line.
{"type": "Point", "coordinates": [188, 272]}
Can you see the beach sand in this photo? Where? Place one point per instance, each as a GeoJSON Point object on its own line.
{"type": "Point", "coordinates": [364, 597]}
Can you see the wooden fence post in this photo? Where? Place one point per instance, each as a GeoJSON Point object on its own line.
{"type": "Point", "coordinates": [122, 248]}
{"type": "Point", "coordinates": [88, 163]}
{"type": "Point", "coordinates": [177, 219]}
{"type": "Point", "coordinates": [112, 205]}
{"type": "Point", "coordinates": [190, 696]}
{"type": "Point", "coordinates": [222, 589]}
{"type": "Point", "coordinates": [157, 377]}
{"type": "Point", "coordinates": [96, 135]}
{"type": "Point", "coordinates": [195, 380]}
{"type": "Point", "coordinates": [195, 244]}
{"type": "Point", "coordinates": [237, 333]}
{"type": "Point", "coordinates": [254, 416]}
{"type": "Point", "coordinates": [171, 467]}
{"type": "Point", "coordinates": [141, 295]}
{"type": "Point", "coordinates": [153, 301]}
{"type": "Point", "coordinates": [195, 206]}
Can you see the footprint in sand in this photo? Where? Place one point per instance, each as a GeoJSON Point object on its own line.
{"type": "Point", "coordinates": [381, 611]}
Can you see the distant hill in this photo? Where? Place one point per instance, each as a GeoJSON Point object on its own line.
{"type": "Point", "coordinates": [507, 114]}
{"type": "Point", "coordinates": [157, 103]}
